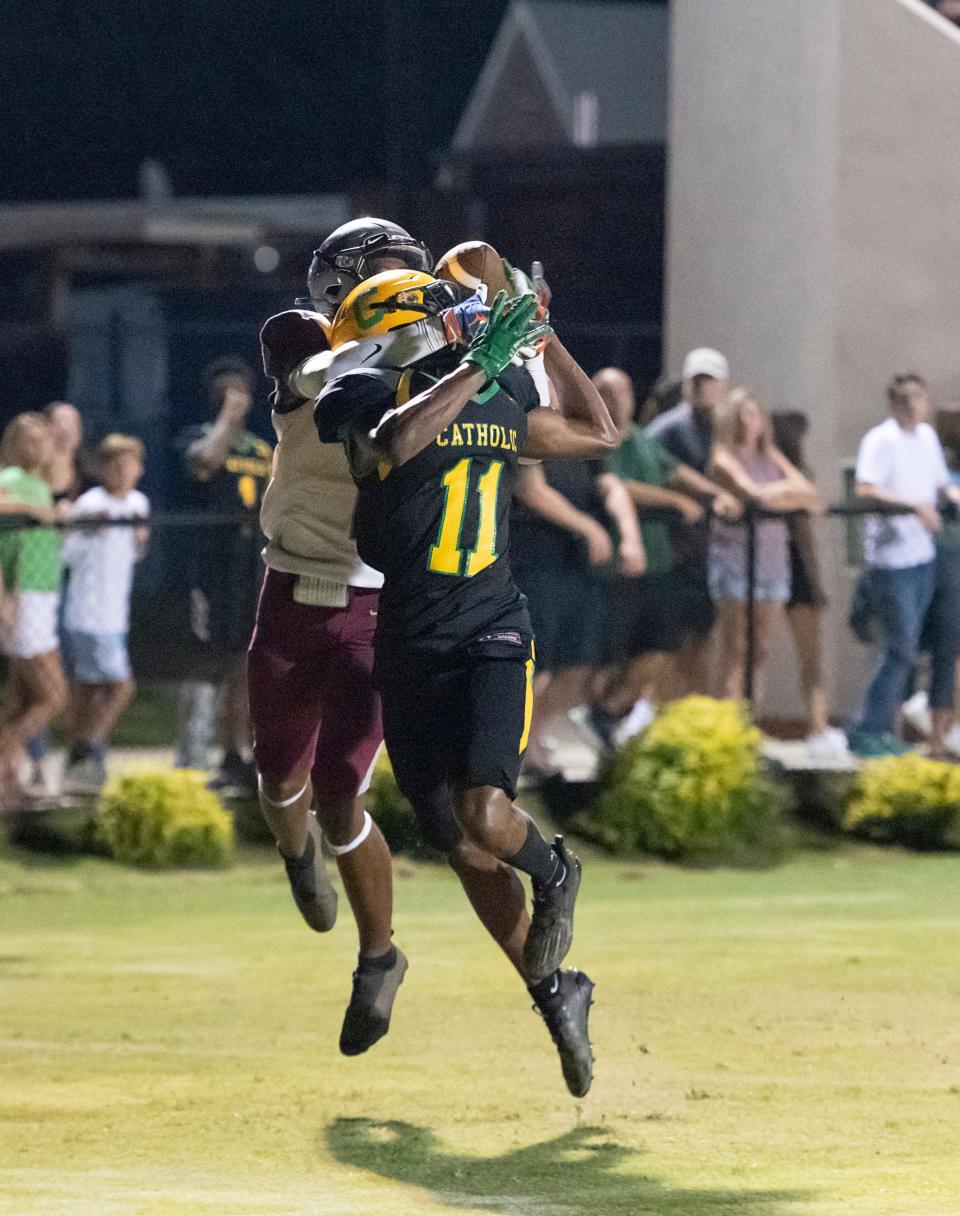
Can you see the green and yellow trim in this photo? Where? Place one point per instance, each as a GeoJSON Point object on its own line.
{"type": "Point", "coordinates": [528, 699]}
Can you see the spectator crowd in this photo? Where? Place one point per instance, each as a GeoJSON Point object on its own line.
{"type": "Point", "coordinates": [622, 626]}
{"type": "Point", "coordinates": [636, 571]}
{"type": "Point", "coordinates": [74, 528]}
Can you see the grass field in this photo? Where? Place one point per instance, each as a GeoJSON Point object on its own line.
{"type": "Point", "coordinates": [778, 1043]}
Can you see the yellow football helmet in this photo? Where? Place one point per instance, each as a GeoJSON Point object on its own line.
{"type": "Point", "coordinates": [389, 300]}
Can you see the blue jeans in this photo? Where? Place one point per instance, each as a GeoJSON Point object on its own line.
{"type": "Point", "coordinates": [941, 630]}
{"type": "Point", "coordinates": [901, 599]}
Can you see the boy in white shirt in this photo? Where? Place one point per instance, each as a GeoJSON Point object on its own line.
{"type": "Point", "coordinates": [97, 611]}
{"type": "Point", "coordinates": [900, 463]}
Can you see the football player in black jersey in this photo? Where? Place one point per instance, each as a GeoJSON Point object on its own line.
{"type": "Point", "coordinates": [433, 448]}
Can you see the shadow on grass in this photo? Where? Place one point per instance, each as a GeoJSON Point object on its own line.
{"type": "Point", "coordinates": [575, 1174]}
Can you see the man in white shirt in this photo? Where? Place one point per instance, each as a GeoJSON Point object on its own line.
{"type": "Point", "coordinates": [96, 614]}
{"type": "Point", "coordinates": [900, 464]}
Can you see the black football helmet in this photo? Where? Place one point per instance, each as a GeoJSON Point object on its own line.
{"type": "Point", "coordinates": [349, 255]}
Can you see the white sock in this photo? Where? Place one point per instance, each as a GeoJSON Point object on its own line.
{"type": "Point", "coordinates": [638, 719]}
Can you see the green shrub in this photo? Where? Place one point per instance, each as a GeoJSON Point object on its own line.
{"type": "Point", "coordinates": [164, 818]}
{"type": "Point", "coordinates": [818, 797]}
{"type": "Point", "coordinates": [391, 810]}
{"type": "Point", "coordinates": [691, 786]}
{"type": "Point", "coordinates": [248, 821]}
{"type": "Point", "coordinates": [907, 800]}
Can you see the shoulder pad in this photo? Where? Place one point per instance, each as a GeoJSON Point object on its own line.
{"type": "Point", "coordinates": [386, 375]}
{"type": "Point", "coordinates": [290, 337]}
{"type": "Point", "coordinates": [286, 340]}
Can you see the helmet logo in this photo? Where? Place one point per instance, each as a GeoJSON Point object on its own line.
{"type": "Point", "coordinates": [367, 318]}
{"type": "Point", "coordinates": [389, 300]}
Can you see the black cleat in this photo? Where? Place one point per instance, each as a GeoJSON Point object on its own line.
{"type": "Point", "coordinates": [602, 725]}
{"type": "Point", "coordinates": [310, 884]}
{"type": "Point", "coordinates": [367, 1018]}
{"type": "Point", "coordinates": [551, 926]}
{"type": "Point", "coordinates": [566, 1013]}
{"type": "Point", "coordinates": [235, 778]}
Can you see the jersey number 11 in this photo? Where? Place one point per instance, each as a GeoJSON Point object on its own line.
{"type": "Point", "coordinates": [446, 556]}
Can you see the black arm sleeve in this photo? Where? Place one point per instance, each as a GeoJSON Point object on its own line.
{"type": "Point", "coordinates": [518, 382]}
{"type": "Point", "coordinates": [352, 402]}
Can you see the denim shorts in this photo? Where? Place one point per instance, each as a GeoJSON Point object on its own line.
{"type": "Point", "coordinates": [727, 584]}
{"type": "Point", "coordinates": [97, 658]}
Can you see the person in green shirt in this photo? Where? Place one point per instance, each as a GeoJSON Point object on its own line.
{"type": "Point", "coordinates": [650, 616]}
{"type": "Point", "coordinates": [30, 569]}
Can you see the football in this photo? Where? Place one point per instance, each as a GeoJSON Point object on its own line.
{"type": "Point", "coordinates": [472, 263]}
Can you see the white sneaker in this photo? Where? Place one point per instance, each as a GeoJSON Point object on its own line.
{"type": "Point", "coordinates": [829, 744]}
{"type": "Point", "coordinates": [638, 719]}
{"type": "Point", "coordinates": [952, 741]}
{"type": "Point", "coordinates": [579, 719]}
{"type": "Point", "coordinates": [84, 776]}
{"type": "Point", "coordinates": [916, 711]}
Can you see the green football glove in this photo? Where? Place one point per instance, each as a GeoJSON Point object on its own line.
{"type": "Point", "coordinates": [509, 328]}
{"type": "Point", "coordinates": [519, 282]}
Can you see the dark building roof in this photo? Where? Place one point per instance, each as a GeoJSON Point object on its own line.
{"type": "Point", "coordinates": [561, 72]}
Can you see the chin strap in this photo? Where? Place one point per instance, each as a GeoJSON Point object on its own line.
{"type": "Point", "coordinates": [338, 850]}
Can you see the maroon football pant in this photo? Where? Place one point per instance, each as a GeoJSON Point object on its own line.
{"type": "Point", "coordinates": [313, 706]}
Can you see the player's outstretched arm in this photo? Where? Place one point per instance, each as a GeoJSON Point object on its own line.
{"type": "Point", "coordinates": [550, 436]}
{"type": "Point", "coordinates": [404, 432]}
{"type": "Point", "coordinates": [582, 425]}
{"type": "Point", "coordinates": [577, 395]}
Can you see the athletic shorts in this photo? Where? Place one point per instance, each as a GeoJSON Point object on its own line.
{"type": "Point", "coordinates": [646, 616]}
{"type": "Point", "coordinates": [32, 628]}
{"type": "Point", "coordinates": [313, 705]}
{"type": "Point", "coordinates": [96, 658]}
{"type": "Point", "coordinates": [568, 610]}
{"type": "Point", "coordinates": [457, 724]}
{"type": "Point", "coordinates": [696, 613]}
{"type": "Point", "coordinates": [220, 632]}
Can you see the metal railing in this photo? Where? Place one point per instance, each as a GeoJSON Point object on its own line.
{"type": "Point", "coordinates": [178, 557]}
{"type": "Point", "coordinates": [752, 516]}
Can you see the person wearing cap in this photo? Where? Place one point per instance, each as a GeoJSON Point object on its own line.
{"type": "Point", "coordinates": [686, 432]}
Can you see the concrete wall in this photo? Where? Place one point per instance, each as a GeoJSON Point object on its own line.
{"type": "Point", "coordinates": [814, 163]}
{"type": "Point", "coordinates": [898, 236]}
